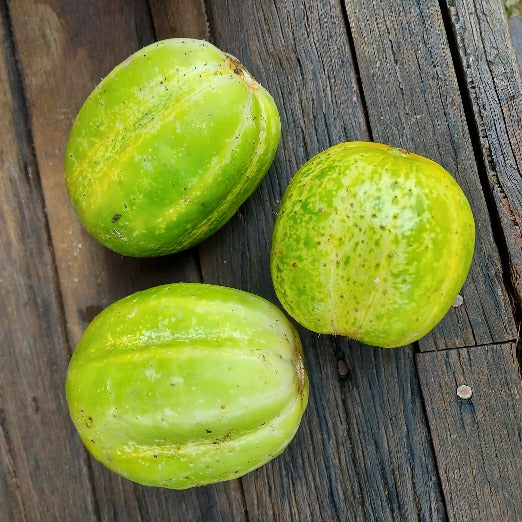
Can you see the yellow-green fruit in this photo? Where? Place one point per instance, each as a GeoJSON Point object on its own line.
{"type": "Point", "coordinates": [168, 146]}
{"type": "Point", "coordinates": [187, 384]}
{"type": "Point", "coordinates": [371, 242]}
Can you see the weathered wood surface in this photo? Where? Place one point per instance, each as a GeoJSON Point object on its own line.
{"type": "Point", "coordinates": [515, 31]}
{"type": "Point", "coordinates": [478, 442]}
{"type": "Point", "coordinates": [366, 449]}
{"type": "Point", "coordinates": [40, 456]}
{"type": "Point", "coordinates": [494, 88]}
{"type": "Point", "coordinates": [413, 101]}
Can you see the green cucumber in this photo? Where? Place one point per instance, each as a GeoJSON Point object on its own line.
{"type": "Point", "coordinates": [187, 384]}
{"type": "Point", "coordinates": [371, 242]}
{"type": "Point", "coordinates": [168, 146]}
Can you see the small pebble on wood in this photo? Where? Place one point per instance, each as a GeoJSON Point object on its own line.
{"type": "Point", "coordinates": [464, 392]}
{"type": "Point", "coordinates": [458, 301]}
{"type": "Point", "coordinates": [342, 369]}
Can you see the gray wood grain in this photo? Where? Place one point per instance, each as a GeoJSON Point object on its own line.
{"type": "Point", "coordinates": [478, 442]}
{"type": "Point", "coordinates": [494, 88]}
{"type": "Point", "coordinates": [413, 101]}
{"type": "Point", "coordinates": [515, 31]}
{"type": "Point", "coordinates": [64, 50]}
{"type": "Point", "coordinates": [43, 469]}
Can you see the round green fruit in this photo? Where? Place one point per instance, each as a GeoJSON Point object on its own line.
{"type": "Point", "coordinates": [371, 242]}
{"type": "Point", "coordinates": [168, 146]}
{"type": "Point", "coordinates": [187, 384]}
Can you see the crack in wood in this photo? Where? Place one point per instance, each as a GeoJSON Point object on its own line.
{"type": "Point", "coordinates": [488, 168]}
{"type": "Point", "coordinates": [10, 460]}
{"type": "Point", "coordinates": [356, 72]}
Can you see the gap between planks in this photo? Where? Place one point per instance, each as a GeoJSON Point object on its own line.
{"type": "Point", "coordinates": [187, 17]}
{"type": "Point", "coordinates": [356, 71]}
{"type": "Point", "coordinates": [471, 347]}
{"type": "Point", "coordinates": [458, 53]}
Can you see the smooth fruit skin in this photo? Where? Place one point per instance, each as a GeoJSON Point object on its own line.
{"type": "Point", "coordinates": [187, 384]}
{"type": "Point", "coordinates": [168, 146]}
{"type": "Point", "coordinates": [371, 242]}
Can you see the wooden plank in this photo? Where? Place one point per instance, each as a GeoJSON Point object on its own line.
{"type": "Point", "coordinates": [478, 441]}
{"type": "Point", "coordinates": [413, 101]}
{"type": "Point", "coordinates": [43, 472]}
{"type": "Point", "coordinates": [64, 49]}
{"type": "Point", "coordinates": [363, 451]}
{"type": "Point", "coordinates": [493, 85]}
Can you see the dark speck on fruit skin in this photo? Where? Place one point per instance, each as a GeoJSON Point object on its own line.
{"type": "Point", "coordinates": [115, 218]}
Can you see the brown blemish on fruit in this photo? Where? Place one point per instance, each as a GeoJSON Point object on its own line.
{"type": "Point", "coordinates": [299, 370]}
{"type": "Point", "coordinates": [239, 69]}
{"type": "Point", "coordinates": [226, 437]}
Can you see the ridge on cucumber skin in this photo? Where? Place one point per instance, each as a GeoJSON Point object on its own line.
{"type": "Point", "coordinates": [168, 146]}
{"type": "Point", "coordinates": [187, 384]}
